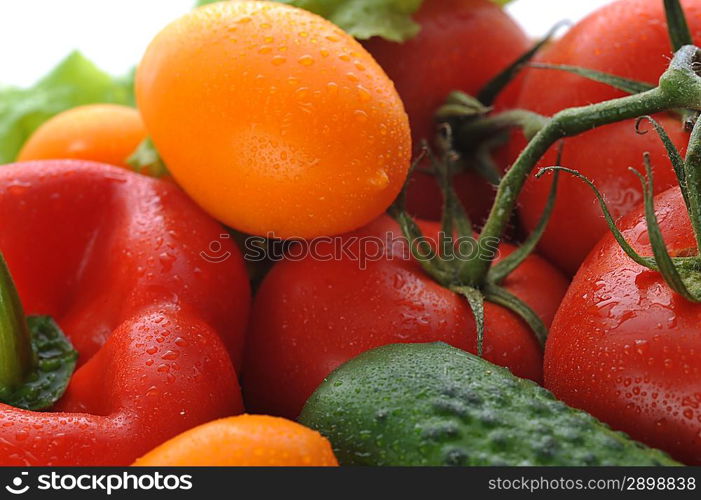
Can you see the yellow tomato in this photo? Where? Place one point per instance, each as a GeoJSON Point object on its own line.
{"type": "Point", "coordinates": [246, 440]}
{"type": "Point", "coordinates": [108, 133]}
{"type": "Point", "coordinates": [274, 120]}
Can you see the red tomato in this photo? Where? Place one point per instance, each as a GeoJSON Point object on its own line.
{"type": "Point", "coordinates": [627, 38]}
{"type": "Point", "coordinates": [625, 347]}
{"type": "Point", "coordinates": [462, 45]}
{"type": "Point", "coordinates": [313, 314]}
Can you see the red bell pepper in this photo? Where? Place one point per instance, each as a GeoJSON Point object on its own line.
{"type": "Point", "coordinates": [115, 258]}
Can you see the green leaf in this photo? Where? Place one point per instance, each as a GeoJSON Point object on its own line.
{"type": "Point", "coordinates": [146, 160]}
{"type": "Point", "coordinates": [55, 362]}
{"type": "Point", "coordinates": [389, 19]}
{"type": "Point", "coordinates": [74, 82]}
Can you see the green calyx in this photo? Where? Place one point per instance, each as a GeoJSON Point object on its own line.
{"type": "Point", "coordinates": [460, 111]}
{"type": "Point", "coordinates": [455, 249]}
{"type": "Point", "coordinates": [36, 358]}
{"type": "Point", "coordinates": [478, 131]}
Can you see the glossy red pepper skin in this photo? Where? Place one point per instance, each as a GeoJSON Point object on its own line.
{"type": "Point", "coordinates": [115, 258]}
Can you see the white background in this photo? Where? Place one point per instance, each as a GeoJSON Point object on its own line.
{"type": "Point", "coordinates": [37, 34]}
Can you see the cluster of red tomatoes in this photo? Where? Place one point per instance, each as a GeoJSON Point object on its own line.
{"type": "Point", "coordinates": [277, 123]}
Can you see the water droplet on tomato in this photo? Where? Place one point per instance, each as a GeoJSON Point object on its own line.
{"type": "Point", "coordinates": [363, 93]}
{"type": "Point", "coordinates": [166, 259]}
{"type": "Point", "coordinates": [332, 88]}
{"type": "Point", "coordinates": [360, 115]}
{"type": "Point", "coordinates": [170, 355]}
{"type": "Point", "coordinates": [380, 179]}
{"type": "Point", "coordinates": [306, 60]}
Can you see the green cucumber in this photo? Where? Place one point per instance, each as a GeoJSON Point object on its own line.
{"type": "Point", "coordinates": [432, 404]}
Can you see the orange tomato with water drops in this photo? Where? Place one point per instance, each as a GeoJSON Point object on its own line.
{"type": "Point", "coordinates": [274, 120]}
{"type": "Point", "coordinates": [106, 133]}
{"type": "Point", "coordinates": [245, 440]}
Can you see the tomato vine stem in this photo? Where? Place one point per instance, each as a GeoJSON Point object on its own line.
{"type": "Point", "coordinates": [692, 181]}
{"type": "Point", "coordinates": [679, 87]}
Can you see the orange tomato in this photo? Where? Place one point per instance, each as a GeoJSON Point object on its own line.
{"type": "Point", "coordinates": [245, 440]}
{"type": "Point", "coordinates": [274, 120]}
{"type": "Point", "coordinates": [107, 133]}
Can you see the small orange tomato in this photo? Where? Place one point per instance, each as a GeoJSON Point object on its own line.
{"type": "Point", "coordinates": [274, 120]}
{"type": "Point", "coordinates": [106, 133]}
{"type": "Point", "coordinates": [245, 440]}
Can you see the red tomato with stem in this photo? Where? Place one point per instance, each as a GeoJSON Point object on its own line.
{"type": "Point", "coordinates": [314, 313]}
{"type": "Point", "coordinates": [462, 45]}
{"type": "Point", "coordinates": [627, 38]}
{"type": "Point", "coordinates": [625, 347]}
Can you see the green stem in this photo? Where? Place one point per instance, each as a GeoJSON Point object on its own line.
{"type": "Point", "coordinates": [677, 27]}
{"type": "Point", "coordinates": [679, 87]}
{"type": "Point", "coordinates": [16, 354]}
{"type": "Point", "coordinates": [476, 131]}
{"type": "Point", "coordinates": [692, 178]}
